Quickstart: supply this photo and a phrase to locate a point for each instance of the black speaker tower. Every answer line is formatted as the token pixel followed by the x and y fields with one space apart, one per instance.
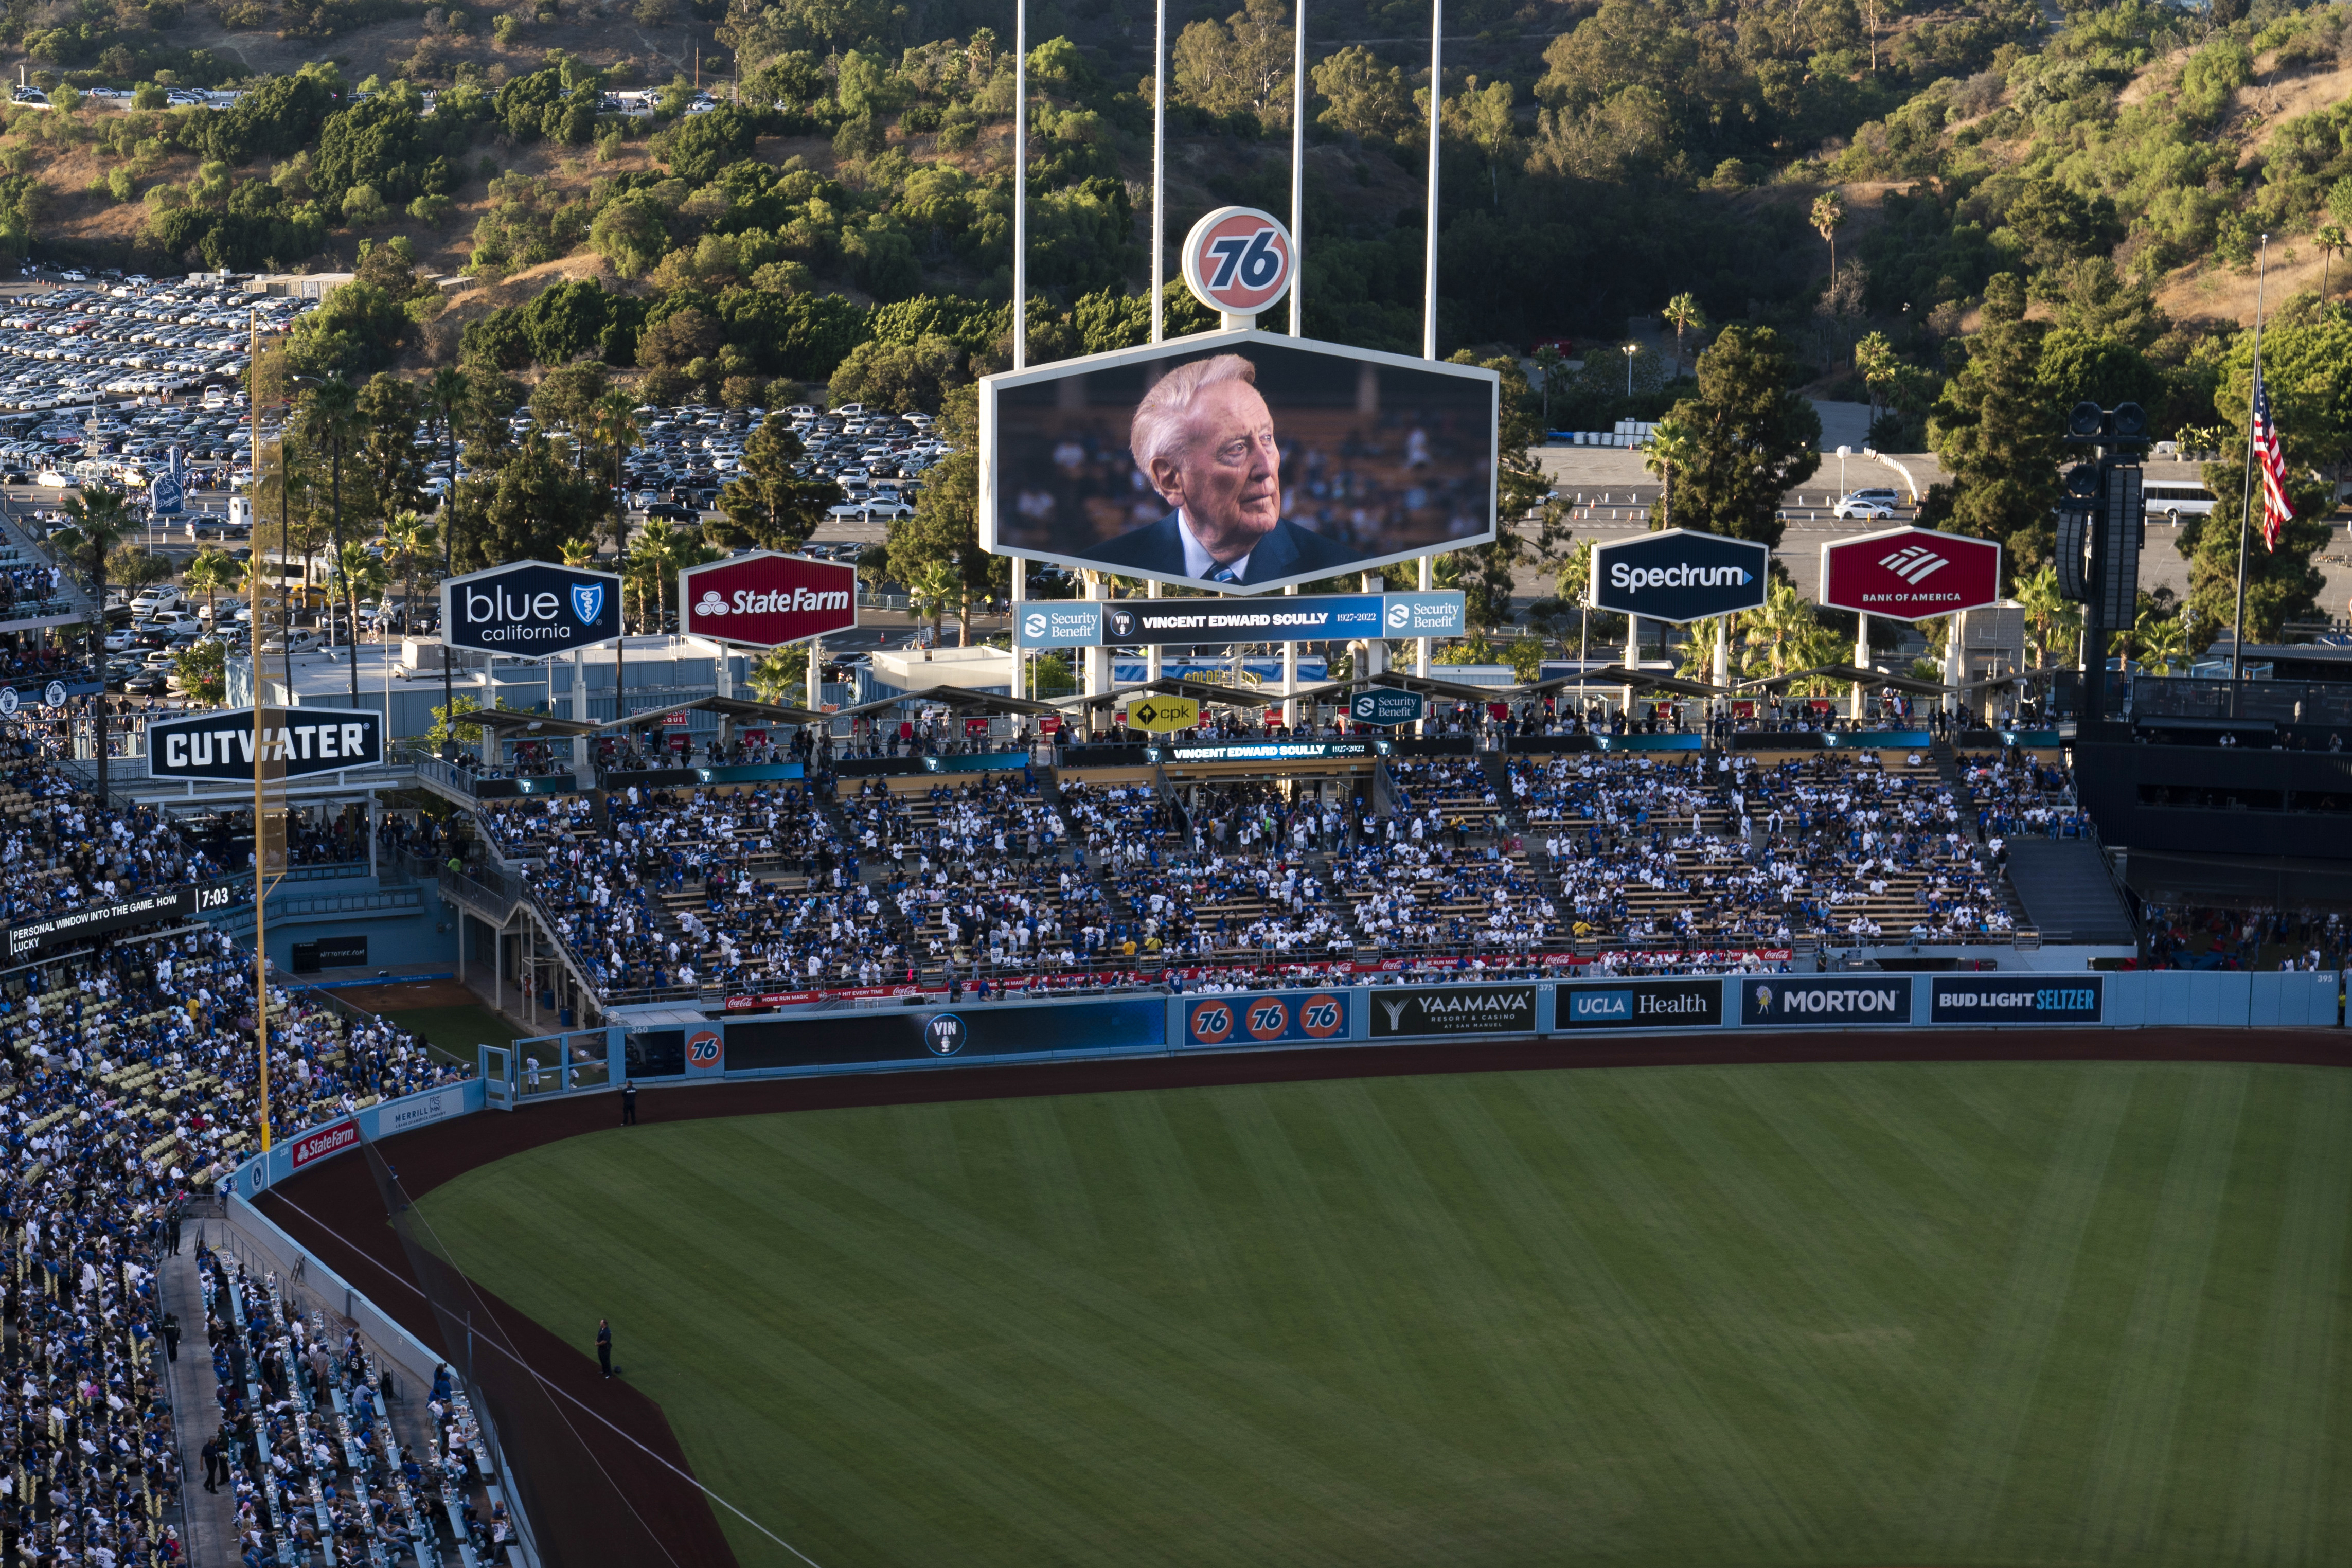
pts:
pixel 2101 524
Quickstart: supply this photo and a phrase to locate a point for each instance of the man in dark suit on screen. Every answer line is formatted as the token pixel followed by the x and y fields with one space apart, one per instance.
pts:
pixel 1204 438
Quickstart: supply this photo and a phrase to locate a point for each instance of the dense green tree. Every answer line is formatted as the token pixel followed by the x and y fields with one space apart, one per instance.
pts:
pixel 382 143
pixel 1752 438
pixel 525 508
pixel 1996 433
pixel 944 533
pixel 770 505
pixel 1531 531
pixel 699 146
pixel 901 377
pixel 391 464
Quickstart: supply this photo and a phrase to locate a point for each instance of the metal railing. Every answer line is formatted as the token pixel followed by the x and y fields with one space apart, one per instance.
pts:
pixel 2157 697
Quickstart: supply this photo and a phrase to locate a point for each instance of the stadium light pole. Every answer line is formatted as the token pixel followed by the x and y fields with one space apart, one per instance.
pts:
pixel 2246 503
pixel 1436 95
pixel 1160 174
pixel 1298 179
pixel 1021 185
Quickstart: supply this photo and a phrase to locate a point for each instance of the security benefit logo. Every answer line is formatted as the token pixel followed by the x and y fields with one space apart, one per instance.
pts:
pixel 1824 1001
pixel 1641 1005
pixel 2023 999
pixel 1453 1010
pixel 1261 1018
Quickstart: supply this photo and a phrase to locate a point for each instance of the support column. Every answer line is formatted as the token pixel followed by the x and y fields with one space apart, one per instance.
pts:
pixel 1632 660
pixel 1098 657
pixel 1860 661
pixel 1020 596
pixel 1290 675
pixel 1376 648
pixel 1956 660
pixel 1152 650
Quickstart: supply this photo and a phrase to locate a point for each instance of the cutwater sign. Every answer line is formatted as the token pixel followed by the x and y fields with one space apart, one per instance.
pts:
pixel 1678 576
pixel 1818 1001
pixel 1385 705
pixel 302 741
pixel 530 610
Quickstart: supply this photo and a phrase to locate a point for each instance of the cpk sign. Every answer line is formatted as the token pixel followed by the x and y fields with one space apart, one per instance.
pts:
pixel 1910 573
pixel 331 1139
pixel 766 599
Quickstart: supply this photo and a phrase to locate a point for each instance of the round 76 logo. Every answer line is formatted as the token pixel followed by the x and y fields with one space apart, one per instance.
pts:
pixel 704 1048
pixel 1263 1018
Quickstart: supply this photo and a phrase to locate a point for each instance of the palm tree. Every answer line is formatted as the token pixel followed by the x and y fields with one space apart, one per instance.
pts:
pixel 1785 634
pixel 406 538
pixel 936 589
pixel 330 416
pixel 612 422
pixel 208 573
pixel 1673 444
pixel 355 570
pixel 2332 242
pixel 1683 314
pixel 661 551
pixel 2163 640
pixel 578 553
pixel 446 393
pixel 1548 359
pixel 1828 217
pixel 98 521
pixel 2054 619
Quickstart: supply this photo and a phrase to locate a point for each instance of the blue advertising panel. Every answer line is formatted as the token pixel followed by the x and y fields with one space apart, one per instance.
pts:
pixel 1694 1003
pixel 1264 1017
pixel 1060 623
pixel 975 1029
pixel 1679 575
pixel 1303 617
pixel 1811 1001
pixel 2016 999
pixel 1385 705
pixel 1434 614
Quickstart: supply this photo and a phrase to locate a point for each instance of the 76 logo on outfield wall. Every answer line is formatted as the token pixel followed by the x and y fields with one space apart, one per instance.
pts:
pixel 1210 1023
pixel 704 1048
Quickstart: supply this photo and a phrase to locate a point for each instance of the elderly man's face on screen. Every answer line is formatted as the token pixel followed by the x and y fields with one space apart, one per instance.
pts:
pixel 1227 475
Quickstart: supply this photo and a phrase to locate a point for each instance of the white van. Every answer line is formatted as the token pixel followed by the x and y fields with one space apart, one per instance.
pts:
pixel 2172 499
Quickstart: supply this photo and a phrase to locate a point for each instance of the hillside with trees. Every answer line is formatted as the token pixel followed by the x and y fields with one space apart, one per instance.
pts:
pixel 1966 214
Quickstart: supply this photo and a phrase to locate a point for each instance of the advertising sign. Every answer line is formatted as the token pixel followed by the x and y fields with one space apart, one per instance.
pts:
pixel 168 493
pixel 1453 1010
pixel 2035 999
pixel 1163 713
pixel 1267 751
pixel 529 610
pixel 305 740
pixel 1301 617
pixel 1818 1001
pixel 1238 261
pixel 913 1035
pixel 706 1051
pixel 1910 573
pixel 31 936
pixel 1385 705
pixel 1060 623
pixel 321 1141
pixel 1640 1005
pixel 767 599
pixel 1243 461
pixel 1267 1017
pixel 1680 576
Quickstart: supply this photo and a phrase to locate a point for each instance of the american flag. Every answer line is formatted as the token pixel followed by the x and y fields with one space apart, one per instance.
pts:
pixel 2277 510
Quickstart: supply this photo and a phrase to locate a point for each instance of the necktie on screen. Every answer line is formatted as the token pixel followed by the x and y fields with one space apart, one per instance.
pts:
pixel 1216 573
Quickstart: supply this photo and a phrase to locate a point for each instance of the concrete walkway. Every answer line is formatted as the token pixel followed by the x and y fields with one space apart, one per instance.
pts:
pixel 209 1530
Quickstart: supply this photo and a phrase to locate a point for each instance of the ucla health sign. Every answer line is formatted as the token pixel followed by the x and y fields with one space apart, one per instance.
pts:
pixel 1302 618
pixel 530 609
pixel 1640 1005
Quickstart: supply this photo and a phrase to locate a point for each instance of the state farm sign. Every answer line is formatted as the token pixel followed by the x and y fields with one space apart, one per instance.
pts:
pixel 1910 573
pixel 331 1139
pixel 766 599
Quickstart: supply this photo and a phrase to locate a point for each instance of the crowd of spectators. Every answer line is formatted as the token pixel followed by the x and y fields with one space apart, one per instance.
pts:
pixel 128 1082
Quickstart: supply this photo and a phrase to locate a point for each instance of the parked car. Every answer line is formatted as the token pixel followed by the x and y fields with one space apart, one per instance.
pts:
pixel 1866 504
pixel 298 640
pixel 153 682
pixel 153 601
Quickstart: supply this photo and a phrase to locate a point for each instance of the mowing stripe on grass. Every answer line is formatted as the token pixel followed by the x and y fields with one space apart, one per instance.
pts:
pixel 2120 1518
pixel 1964 1493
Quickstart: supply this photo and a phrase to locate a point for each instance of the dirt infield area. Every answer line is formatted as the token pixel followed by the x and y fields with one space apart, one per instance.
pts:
pixel 602 1463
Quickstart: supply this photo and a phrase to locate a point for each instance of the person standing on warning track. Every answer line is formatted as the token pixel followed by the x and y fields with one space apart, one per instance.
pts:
pixel 604 1344
pixel 1204 438
pixel 628 1102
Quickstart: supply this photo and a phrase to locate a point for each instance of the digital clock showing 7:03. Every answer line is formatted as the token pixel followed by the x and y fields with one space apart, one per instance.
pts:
pixel 214 898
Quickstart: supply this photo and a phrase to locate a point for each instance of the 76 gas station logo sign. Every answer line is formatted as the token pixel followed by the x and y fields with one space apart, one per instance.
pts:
pixel 1263 1018
pixel 1238 261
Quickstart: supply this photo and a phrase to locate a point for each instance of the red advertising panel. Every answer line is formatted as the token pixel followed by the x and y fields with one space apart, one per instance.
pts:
pixel 1910 573
pixel 332 1138
pixel 765 599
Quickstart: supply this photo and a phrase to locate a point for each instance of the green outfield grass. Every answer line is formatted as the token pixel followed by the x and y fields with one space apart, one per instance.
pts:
pixel 1879 1315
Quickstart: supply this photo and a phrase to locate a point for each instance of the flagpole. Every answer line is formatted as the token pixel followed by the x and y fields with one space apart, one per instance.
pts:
pixel 2245 506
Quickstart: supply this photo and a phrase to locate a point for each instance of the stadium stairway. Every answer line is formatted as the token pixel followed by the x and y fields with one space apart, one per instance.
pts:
pixel 2067 892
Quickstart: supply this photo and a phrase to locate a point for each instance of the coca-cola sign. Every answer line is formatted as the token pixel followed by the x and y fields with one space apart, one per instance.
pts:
pixel 766 599
pixel 1910 573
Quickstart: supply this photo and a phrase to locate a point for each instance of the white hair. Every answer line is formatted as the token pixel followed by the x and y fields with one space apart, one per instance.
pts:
pixel 1162 419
